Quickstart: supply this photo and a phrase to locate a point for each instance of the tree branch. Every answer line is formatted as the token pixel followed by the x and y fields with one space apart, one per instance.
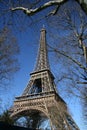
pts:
pixel 79 82
pixel 33 11
pixel 48 4
pixel 69 57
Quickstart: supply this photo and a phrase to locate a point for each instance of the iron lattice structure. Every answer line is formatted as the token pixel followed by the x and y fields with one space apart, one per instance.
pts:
pixel 41 95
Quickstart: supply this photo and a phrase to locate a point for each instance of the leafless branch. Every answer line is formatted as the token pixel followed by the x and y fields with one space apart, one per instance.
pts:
pixel 79 82
pixel 69 57
pixel 33 11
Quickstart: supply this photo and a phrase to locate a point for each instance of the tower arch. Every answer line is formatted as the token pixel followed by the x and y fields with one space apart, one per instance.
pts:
pixel 24 111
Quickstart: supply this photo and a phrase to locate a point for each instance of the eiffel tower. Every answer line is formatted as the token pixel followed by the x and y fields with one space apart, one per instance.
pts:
pixel 40 95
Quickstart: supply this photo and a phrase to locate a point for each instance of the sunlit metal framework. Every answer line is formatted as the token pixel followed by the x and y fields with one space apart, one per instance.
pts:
pixel 41 95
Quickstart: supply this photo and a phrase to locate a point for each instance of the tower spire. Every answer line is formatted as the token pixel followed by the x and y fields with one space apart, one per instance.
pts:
pixel 42 57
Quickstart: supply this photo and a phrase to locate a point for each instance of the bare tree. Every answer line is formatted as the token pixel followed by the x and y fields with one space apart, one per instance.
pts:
pixel 8 52
pixel 71 49
pixel 71 44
